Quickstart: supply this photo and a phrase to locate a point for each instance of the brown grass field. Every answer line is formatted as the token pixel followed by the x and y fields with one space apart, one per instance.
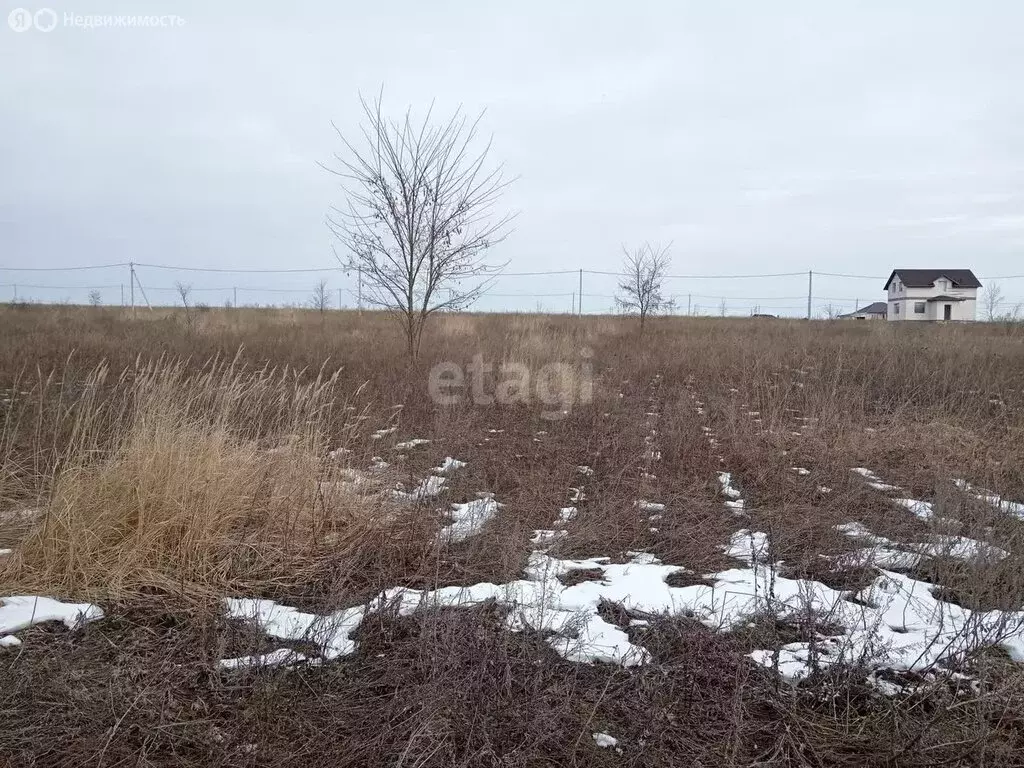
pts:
pixel 158 465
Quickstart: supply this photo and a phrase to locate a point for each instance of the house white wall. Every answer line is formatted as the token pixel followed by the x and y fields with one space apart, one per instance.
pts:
pixel 903 302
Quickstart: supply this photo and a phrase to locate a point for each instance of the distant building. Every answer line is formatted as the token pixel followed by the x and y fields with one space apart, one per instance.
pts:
pixel 932 294
pixel 876 311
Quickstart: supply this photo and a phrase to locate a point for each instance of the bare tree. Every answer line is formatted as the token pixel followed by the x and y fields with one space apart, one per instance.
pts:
pixel 321 298
pixel 830 311
pixel 419 218
pixel 95 298
pixel 993 298
pixel 185 292
pixel 723 307
pixel 640 291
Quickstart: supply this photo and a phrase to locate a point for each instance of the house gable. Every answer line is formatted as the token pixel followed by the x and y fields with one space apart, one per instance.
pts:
pixel 926 278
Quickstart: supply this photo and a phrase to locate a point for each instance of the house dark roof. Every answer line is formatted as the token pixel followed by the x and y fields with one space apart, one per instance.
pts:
pixel 878 308
pixel 925 278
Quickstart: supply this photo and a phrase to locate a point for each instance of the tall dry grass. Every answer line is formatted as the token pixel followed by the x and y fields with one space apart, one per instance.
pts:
pixel 161 477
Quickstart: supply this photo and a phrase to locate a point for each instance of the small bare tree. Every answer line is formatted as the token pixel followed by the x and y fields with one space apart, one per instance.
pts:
pixel 419 218
pixel 185 292
pixel 993 298
pixel 640 291
pixel 321 298
pixel 95 298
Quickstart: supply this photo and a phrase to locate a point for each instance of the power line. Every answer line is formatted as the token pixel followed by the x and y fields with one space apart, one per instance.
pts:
pixel 237 271
pixel 61 287
pixel 696 277
pixel 538 273
pixel 61 269
pixel 851 277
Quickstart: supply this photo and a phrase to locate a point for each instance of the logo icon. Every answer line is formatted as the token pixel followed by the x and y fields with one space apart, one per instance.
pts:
pixel 45 19
pixel 20 20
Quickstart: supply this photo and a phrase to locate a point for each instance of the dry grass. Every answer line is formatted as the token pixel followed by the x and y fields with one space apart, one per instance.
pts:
pixel 204 481
pixel 165 481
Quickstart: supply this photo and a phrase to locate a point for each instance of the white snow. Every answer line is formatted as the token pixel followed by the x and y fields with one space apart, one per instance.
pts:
pixel 874 480
pixel 566 514
pixel 604 741
pixel 894 623
pixel 4 552
pixel 545 536
pixel 650 506
pixel 469 518
pixel 279 658
pixel 9 641
pixel 583 469
pixel 428 488
pixel 885 553
pixel 922 509
pixel 748 546
pixel 801 470
pixel 1015 508
pixel 19 612
pixel 410 444
pixel 382 433
pixel 726 486
pixel 448 465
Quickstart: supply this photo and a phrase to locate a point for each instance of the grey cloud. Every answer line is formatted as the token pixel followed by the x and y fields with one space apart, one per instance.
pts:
pixel 756 137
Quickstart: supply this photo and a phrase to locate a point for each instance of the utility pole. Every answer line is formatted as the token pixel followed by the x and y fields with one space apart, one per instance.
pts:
pixel 810 290
pixel 144 296
pixel 234 297
pixel 122 294
pixel 360 294
pixel 574 302
pixel 339 298
pixel 131 269
pixel 579 306
pixel 689 298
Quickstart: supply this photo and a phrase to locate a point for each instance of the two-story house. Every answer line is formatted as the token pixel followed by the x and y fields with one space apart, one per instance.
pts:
pixel 932 294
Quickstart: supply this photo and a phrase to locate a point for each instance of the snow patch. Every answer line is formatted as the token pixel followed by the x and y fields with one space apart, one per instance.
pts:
pixel 1015 508
pixel 408 445
pixel 727 489
pixel 448 465
pixel 19 612
pixel 604 741
pixel 428 488
pixel 468 519
pixel 567 514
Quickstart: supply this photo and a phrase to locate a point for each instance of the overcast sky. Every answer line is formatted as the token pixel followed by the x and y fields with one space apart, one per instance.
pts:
pixel 847 137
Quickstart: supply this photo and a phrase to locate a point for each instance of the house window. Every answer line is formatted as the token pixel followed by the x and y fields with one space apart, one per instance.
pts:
pixel 919 307
pixel 895 309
